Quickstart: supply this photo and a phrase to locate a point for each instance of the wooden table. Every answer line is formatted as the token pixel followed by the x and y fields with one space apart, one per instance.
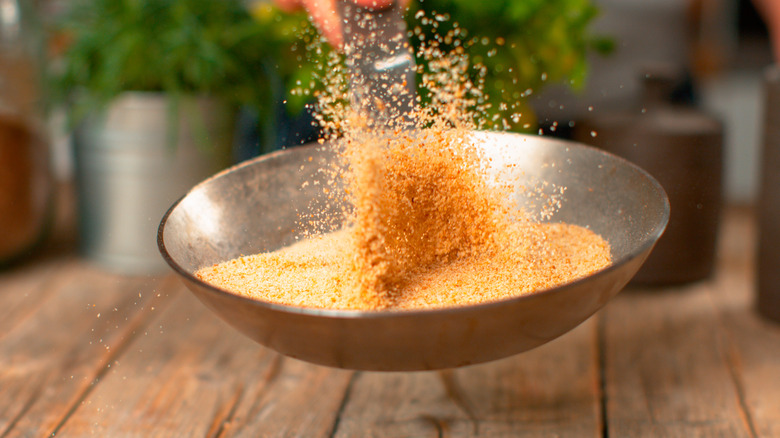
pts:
pixel 87 353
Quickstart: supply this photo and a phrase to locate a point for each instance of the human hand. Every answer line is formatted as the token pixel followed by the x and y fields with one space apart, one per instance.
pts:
pixel 324 15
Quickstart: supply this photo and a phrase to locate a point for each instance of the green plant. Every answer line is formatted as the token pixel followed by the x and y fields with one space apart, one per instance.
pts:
pixel 218 47
pixel 211 47
pixel 524 45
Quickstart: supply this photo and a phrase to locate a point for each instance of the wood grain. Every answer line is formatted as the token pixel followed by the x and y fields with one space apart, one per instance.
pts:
pixel 550 391
pixel 87 353
pixel 667 367
pixel 50 360
pixel 666 371
pixel 752 343
pixel 190 374
pixel 26 289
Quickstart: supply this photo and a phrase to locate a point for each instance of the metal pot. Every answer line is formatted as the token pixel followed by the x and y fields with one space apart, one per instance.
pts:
pixel 255 207
pixel 133 160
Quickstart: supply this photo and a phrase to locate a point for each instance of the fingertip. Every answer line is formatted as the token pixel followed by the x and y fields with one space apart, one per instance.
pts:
pixel 325 17
pixel 377 4
pixel 335 38
pixel 289 5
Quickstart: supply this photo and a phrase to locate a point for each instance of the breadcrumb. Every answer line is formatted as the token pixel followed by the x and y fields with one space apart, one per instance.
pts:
pixel 427 228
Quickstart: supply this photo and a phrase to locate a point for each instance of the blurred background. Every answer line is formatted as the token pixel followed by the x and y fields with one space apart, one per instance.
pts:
pixel 131 102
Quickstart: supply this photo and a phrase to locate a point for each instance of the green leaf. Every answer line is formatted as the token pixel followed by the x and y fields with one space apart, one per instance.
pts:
pixel 174 46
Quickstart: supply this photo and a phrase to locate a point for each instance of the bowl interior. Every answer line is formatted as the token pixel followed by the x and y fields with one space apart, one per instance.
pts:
pixel 254 207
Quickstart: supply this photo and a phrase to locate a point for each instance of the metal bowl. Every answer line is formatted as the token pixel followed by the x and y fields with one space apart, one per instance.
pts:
pixel 254 206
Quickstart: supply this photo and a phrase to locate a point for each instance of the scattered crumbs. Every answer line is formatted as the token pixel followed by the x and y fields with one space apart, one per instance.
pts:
pixel 427 228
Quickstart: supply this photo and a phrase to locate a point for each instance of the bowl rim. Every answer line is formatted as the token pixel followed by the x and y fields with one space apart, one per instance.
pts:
pixel 649 241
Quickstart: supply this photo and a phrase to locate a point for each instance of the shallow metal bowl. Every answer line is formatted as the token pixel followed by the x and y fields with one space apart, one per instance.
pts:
pixel 254 206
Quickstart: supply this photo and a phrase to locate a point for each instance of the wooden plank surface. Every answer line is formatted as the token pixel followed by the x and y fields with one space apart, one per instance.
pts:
pixel 672 366
pixel 550 391
pixel 87 353
pixel 752 343
pixel 50 360
pixel 28 284
pixel 26 289
pixel 189 374
pixel 666 372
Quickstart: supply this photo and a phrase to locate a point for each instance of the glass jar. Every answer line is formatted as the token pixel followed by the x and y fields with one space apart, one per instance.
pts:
pixel 25 176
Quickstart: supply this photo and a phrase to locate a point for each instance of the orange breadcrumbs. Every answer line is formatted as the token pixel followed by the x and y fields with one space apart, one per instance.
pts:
pixel 319 272
pixel 427 227
pixel 426 231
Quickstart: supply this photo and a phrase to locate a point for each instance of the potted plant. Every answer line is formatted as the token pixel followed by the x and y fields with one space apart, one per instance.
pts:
pixel 152 89
pixel 154 85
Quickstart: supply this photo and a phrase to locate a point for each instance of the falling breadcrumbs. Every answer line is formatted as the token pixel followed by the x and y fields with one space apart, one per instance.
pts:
pixel 426 231
pixel 427 227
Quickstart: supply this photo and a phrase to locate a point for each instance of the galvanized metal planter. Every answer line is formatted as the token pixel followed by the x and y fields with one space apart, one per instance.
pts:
pixel 132 161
